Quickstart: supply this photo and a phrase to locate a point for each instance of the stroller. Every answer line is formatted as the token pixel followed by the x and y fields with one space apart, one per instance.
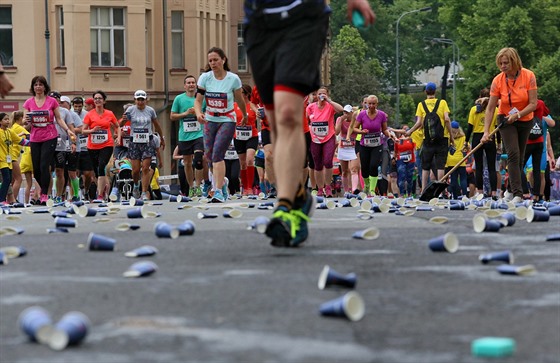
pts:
pixel 122 184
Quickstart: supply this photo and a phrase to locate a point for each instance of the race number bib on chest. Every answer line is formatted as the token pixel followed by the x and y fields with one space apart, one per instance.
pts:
pixel 191 124
pixel 140 136
pixel 83 142
pixel 216 100
pixel 347 143
pixel 39 118
pixel 405 156
pixel 372 140
pixel 243 133
pixel 320 128
pixel 99 137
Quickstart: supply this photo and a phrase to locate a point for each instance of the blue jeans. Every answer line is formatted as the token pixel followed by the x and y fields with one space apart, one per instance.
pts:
pixel 405 172
pixel 458 185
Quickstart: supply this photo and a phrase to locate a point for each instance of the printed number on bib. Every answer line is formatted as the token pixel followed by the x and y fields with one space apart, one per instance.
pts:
pixel 40 118
pixel 320 128
pixel 83 143
pixel 191 124
pixel 216 101
pixel 140 136
pixel 372 140
pixel 405 156
pixel 347 143
pixel 99 137
pixel 231 153
pixel 243 133
pixel 126 142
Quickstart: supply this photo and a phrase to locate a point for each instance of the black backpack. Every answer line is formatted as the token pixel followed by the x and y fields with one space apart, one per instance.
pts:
pixel 433 129
pixel 536 130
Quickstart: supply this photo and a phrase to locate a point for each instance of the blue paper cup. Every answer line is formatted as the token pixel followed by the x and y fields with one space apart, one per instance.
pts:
pixel 202 215
pixel 483 224
pixel 13 251
pixel 3 258
pixel 502 256
pixel 59 213
pixel 85 211
pixel 350 306
pixel 143 251
pixel 179 198
pixel 444 243
pixel 137 213
pixel 57 230
pixel 553 237
pixel 554 210
pixel 233 213
pixel 329 277
pixel 136 202
pixel 165 230
pixel 525 270
pixel 36 323
pixel 368 233
pixel 98 242
pixel 326 205
pixel 457 206
pixel 534 215
pixel 65 222
pixel 186 228
pixel 259 224
pixel 141 269
pixel 71 329
pixel 123 227
pixel 507 219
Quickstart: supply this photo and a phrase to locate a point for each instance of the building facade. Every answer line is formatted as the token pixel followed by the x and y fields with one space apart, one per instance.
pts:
pixel 118 46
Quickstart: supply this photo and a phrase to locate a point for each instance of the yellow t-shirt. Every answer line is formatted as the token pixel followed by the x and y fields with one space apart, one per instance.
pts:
pixel 452 160
pixel 16 149
pixel 418 137
pixel 477 120
pixel 8 138
pixel 442 109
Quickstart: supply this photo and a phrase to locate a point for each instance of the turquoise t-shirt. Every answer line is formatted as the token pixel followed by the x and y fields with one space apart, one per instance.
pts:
pixel 189 127
pixel 219 96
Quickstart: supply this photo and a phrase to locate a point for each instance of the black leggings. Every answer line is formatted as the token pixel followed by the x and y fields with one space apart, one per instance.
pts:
pixel 490 150
pixel 534 150
pixel 100 158
pixel 42 155
pixel 370 159
pixel 232 173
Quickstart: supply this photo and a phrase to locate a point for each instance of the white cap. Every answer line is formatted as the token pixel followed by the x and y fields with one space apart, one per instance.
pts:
pixel 65 99
pixel 348 108
pixel 140 94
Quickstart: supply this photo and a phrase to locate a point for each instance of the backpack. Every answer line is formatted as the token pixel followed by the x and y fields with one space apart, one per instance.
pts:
pixel 433 129
pixel 536 130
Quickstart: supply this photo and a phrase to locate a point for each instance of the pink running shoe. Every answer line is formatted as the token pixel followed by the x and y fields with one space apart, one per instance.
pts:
pixel 328 191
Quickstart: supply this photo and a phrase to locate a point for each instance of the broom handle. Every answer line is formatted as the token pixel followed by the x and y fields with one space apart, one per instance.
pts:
pixel 468 155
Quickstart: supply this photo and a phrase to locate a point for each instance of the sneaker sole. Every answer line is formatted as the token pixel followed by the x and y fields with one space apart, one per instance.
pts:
pixel 276 230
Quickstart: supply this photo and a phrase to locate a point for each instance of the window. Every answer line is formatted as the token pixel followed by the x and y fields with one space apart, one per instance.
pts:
pixel 6 41
pixel 241 51
pixel 148 38
pixel 107 34
pixel 178 54
pixel 60 38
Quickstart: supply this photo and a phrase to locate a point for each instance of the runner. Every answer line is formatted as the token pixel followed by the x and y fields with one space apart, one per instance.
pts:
pixel 218 86
pixel 346 151
pixel 143 121
pixel 246 143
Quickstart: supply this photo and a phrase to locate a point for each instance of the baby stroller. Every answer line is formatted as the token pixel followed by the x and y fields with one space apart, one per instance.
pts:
pixel 121 187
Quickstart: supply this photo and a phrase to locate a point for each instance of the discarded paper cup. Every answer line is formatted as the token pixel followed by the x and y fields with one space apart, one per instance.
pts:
pixel 534 215
pixel 370 233
pixel 36 323
pixel 3 258
pixel 98 242
pixel 186 228
pixel 136 202
pixel 503 256
pixel 326 205
pixel 71 329
pixel 516 270
pixel 350 306
pixel 141 269
pixel 126 227
pixel 65 222
pixel 483 224
pixel 259 224
pixel 444 243
pixel 439 220
pixel 457 206
pixel 179 198
pixel 521 212
pixel 57 230
pixel 85 211
pixel 59 213
pixel 365 205
pixel 553 237
pixel 233 213
pixel 330 277
pixel 165 230
pixel 137 213
pixel 202 215
pixel 13 251
pixel 508 218
pixel 143 251
pixel 554 210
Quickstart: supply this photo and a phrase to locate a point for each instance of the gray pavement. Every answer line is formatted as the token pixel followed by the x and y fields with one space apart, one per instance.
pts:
pixel 225 295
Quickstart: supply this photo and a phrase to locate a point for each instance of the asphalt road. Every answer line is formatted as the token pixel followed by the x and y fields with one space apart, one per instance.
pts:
pixel 225 295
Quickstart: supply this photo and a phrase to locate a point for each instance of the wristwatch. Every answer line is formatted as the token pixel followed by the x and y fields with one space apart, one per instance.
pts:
pixel 518 115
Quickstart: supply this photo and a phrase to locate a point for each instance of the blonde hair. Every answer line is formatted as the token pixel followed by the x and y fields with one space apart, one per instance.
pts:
pixel 513 57
pixel 458 132
pixel 17 115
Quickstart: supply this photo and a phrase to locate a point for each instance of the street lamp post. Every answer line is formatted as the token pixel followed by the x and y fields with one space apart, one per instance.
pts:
pixel 455 61
pixel 428 8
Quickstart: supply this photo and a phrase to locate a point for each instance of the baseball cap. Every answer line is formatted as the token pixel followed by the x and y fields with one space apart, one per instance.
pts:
pixel 140 94
pixel 65 99
pixel 454 125
pixel 54 94
pixel 90 101
pixel 431 86
pixel 77 100
pixel 348 108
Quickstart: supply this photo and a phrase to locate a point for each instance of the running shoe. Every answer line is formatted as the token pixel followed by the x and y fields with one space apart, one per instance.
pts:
pixel 75 199
pixel 272 193
pixel 218 197
pixel 43 200
pixel 136 193
pixel 303 209
pixel 57 200
pixel 144 196
pixel 282 227
pixel 206 188
pixel 328 191
pixel 225 190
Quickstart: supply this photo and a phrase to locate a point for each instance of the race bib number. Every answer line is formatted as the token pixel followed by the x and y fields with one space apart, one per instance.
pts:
pixel 191 124
pixel 231 153
pixel 347 144
pixel 405 156
pixel 243 133
pixel 140 136
pixel 372 140
pixel 39 118
pixel 83 142
pixel 99 137
pixel 217 101
pixel 320 128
